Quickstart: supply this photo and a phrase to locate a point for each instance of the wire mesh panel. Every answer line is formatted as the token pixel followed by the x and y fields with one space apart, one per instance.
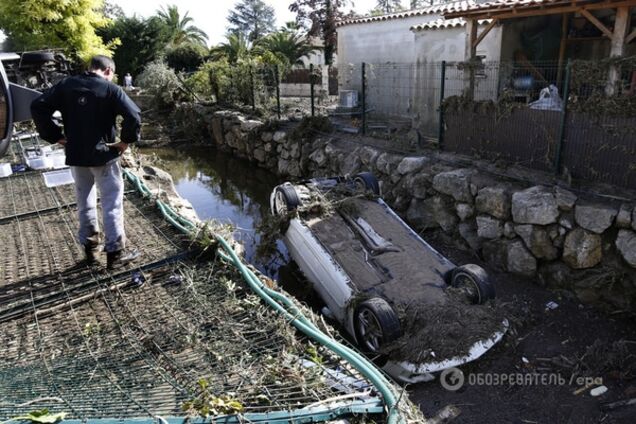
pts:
pixel 266 88
pixel 390 90
pixel 162 336
pixel 300 87
pixel 489 112
pixel 600 129
pixel 428 84
pixel 22 193
pixel 145 351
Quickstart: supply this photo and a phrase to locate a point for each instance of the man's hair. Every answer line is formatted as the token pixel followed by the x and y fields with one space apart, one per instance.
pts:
pixel 102 63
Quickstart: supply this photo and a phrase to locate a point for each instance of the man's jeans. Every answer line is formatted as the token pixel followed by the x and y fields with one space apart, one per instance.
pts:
pixel 111 189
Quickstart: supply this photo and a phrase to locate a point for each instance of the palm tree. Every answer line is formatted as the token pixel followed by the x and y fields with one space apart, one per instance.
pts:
pixel 236 47
pixel 287 45
pixel 180 29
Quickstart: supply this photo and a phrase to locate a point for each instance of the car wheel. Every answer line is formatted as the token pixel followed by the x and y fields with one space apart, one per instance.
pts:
pixel 37 57
pixel 474 281
pixel 376 324
pixel 367 181
pixel 285 199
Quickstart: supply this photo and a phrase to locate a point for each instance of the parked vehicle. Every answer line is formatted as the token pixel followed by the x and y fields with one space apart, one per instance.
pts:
pixel 373 271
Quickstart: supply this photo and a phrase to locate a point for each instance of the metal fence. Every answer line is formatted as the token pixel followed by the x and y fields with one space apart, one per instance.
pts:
pixel 274 90
pixel 578 118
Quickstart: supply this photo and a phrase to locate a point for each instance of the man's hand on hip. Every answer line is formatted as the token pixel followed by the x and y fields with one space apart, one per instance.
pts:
pixel 120 147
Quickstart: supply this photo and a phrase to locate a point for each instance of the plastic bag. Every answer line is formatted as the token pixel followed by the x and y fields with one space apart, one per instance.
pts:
pixel 548 99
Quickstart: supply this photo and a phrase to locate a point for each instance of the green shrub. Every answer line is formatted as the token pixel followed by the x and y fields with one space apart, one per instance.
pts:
pixel 160 80
pixel 186 57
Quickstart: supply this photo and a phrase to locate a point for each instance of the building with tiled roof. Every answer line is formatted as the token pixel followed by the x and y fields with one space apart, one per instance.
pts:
pixel 392 38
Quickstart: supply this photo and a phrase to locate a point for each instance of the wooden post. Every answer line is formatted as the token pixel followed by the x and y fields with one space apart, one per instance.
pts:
pixel 621 26
pixel 471 56
pixel 562 48
pixel 311 88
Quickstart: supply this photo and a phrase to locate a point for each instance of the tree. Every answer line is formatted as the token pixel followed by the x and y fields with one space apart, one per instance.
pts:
pixel 236 47
pixel 142 41
pixel 416 4
pixel 320 17
pixel 388 6
pixel 180 29
pixel 186 57
pixel 70 25
pixel 112 10
pixel 288 46
pixel 252 18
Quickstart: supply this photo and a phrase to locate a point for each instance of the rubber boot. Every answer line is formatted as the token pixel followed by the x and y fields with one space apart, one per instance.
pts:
pixel 89 253
pixel 120 258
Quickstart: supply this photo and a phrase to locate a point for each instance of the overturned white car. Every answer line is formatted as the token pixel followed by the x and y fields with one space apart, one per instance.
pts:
pixel 399 298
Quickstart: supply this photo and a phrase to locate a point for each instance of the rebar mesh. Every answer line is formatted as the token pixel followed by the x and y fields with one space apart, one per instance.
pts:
pixel 130 352
pixel 137 342
pixel 26 192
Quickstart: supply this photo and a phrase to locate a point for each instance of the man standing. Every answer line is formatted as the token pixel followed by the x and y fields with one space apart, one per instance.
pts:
pixel 89 104
pixel 128 81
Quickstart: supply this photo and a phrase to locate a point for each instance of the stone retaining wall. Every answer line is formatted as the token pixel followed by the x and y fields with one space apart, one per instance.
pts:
pixel 546 233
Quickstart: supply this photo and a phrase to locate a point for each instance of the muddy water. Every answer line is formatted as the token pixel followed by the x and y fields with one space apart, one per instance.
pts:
pixel 225 189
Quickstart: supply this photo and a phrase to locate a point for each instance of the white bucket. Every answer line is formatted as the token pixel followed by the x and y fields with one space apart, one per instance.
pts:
pixel 5 169
pixel 57 160
pixel 39 162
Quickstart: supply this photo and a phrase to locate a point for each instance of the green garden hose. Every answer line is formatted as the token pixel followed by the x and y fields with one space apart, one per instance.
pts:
pixel 284 306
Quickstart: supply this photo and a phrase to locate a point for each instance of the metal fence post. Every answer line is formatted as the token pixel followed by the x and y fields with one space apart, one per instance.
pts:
pixel 277 76
pixel 564 113
pixel 364 99
pixel 440 130
pixel 252 88
pixel 311 87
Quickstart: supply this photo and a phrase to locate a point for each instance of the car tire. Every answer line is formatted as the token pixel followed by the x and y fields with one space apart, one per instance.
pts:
pixel 474 280
pixel 37 57
pixel 285 199
pixel 367 181
pixel 376 324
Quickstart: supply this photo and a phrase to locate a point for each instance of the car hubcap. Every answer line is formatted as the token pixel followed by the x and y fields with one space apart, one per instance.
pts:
pixel 370 330
pixel 360 185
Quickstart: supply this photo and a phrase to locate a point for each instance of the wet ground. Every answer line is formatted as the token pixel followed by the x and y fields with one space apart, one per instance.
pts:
pixel 550 355
pixel 557 351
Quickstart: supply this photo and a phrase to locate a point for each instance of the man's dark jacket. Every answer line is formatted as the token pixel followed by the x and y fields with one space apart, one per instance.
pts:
pixel 89 105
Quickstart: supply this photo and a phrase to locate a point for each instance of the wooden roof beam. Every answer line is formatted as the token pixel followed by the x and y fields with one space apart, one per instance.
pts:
pixel 598 24
pixel 485 32
pixel 534 11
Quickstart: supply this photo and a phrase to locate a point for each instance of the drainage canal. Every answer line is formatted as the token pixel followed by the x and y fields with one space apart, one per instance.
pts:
pixel 231 190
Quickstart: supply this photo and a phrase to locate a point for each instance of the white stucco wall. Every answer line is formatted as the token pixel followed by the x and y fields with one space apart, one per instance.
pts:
pixel 378 41
pixel 374 42
pixel 432 46
pixel 403 67
pixel 435 45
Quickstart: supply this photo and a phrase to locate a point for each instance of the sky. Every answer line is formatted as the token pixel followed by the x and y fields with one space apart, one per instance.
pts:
pixel 211 15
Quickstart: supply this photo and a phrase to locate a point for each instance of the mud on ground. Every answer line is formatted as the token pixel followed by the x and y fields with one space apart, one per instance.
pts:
pixel 441 331
pixel 573 341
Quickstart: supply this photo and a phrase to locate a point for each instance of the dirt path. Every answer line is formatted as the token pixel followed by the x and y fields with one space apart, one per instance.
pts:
pixel 570 338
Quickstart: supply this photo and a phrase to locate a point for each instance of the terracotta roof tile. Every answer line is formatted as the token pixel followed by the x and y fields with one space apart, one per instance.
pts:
pixel 440 8
pixel 442 23
pixel 504 5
